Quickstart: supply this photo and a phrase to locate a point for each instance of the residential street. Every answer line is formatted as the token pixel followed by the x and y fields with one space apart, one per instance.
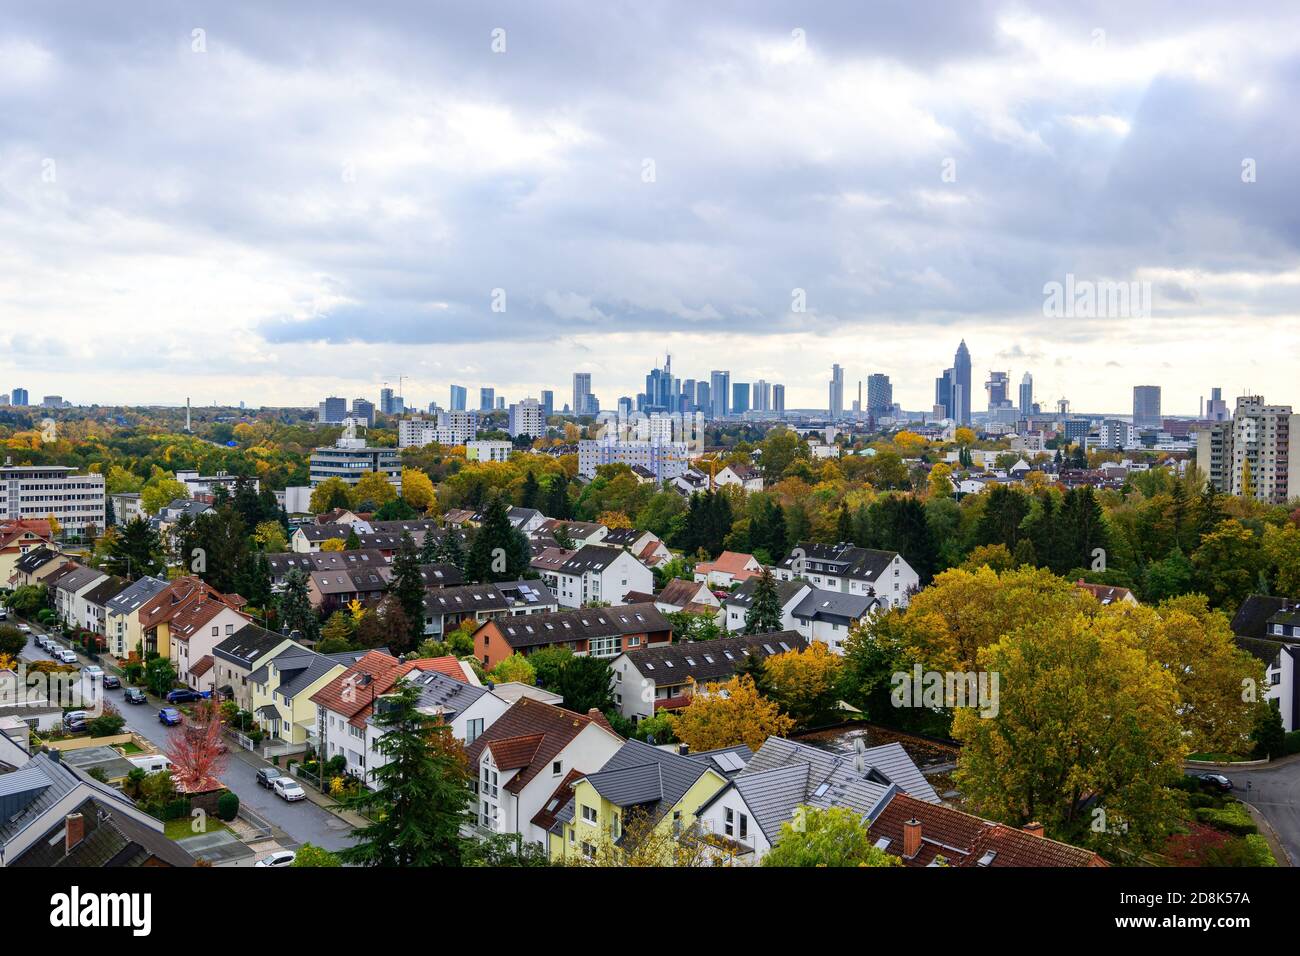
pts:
pixel 302 822
pixel 1275 791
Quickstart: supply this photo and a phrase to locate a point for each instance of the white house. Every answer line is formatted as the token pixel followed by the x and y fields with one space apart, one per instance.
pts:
pixel 845 567
pixel 828 616
pixel 598 574
pixel 194 632
pixel 751 479
pixel 524 757
pixel 736 605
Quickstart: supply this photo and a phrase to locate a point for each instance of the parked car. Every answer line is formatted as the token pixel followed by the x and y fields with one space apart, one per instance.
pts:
pixel 4 614
pixel 1216 780
pixel 112 682
pixel 169 717
pixel 278 858
pixel 74 721
pixel 25 628
pixel 183 695
pixel 288 789
pixel 134 695
pixel 267 776
pixel 42 642
pixel 66 656
pixel 92 670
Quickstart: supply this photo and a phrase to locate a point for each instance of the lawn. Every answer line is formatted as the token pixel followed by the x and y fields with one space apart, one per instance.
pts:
pixel 130 748
pixel 182 828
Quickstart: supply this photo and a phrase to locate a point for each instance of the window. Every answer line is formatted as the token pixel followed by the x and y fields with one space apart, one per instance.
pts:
pixel 729 822
pixel 557 768
pixel 589 814
pixel 473 730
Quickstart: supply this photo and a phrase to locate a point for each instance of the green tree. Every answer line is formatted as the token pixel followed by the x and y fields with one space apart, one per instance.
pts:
pixel 548 665
pixel 136 551
pixel 421 792
pixel 499 552
pixel 309 854
pixel 407 586
pixel 764 613
pixel 584 683
pixel 834 837
pixel 159 676
pixel 296 611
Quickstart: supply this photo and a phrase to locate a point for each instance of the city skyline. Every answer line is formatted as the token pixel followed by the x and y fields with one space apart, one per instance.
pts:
pixel 444 216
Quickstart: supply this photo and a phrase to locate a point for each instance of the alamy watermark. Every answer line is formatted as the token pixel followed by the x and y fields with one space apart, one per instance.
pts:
pixel 1096 299
pixel 940 689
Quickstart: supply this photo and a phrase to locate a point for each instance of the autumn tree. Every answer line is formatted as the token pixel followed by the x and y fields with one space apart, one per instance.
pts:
pixel 371 491
pixel 806 683
pixel 1085 737
pixel 1227 564
pixel 330 494
pixel 197 752
pixel 724 715
pixel 514 669
pixel 647 840
pixel 417 490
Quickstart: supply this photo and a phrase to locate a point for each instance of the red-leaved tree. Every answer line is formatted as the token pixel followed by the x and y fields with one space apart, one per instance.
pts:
pixel 198 753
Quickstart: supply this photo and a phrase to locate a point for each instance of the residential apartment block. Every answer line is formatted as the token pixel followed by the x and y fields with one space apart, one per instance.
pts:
pixel 37 491
pixel 1255 448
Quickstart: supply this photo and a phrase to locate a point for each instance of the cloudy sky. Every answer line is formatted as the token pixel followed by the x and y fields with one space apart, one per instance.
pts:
pixel 285 201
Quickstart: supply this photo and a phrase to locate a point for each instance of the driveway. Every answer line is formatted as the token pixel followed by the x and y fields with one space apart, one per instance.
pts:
pixel 302 822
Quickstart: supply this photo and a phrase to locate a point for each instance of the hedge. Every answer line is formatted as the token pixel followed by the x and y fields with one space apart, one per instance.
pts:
pixel 1233 818
pixel 1293 742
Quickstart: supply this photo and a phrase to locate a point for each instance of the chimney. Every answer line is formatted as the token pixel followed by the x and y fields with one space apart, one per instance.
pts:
pixel 1034 829
pixel 683 749
pixel 911 838
pixel 76 831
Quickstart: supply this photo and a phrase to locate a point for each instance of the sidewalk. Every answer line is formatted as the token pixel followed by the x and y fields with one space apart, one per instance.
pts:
pixel 1270 835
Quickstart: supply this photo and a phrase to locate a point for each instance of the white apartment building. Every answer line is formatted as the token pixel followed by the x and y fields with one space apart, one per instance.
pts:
pixel 527 418
pixel 664 460
pixel 208 484
pixel 36 491
pixel 1258 435
pixel 448 428
pixel 488 450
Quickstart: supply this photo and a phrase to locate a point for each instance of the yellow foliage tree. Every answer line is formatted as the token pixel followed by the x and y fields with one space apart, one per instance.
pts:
pixel 417 490
pixel 723 715
pixel 941 481
pixel 804 682
pixel 333 544
pixel 372 488
pixel 964 436
pixel 614 519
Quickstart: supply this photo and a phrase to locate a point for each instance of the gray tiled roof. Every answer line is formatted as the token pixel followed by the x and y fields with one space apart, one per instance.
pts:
pixel 743 596
pixel 786 774
pixel 844 560
pixel 838 606
pixel 133 597
pixel 708 661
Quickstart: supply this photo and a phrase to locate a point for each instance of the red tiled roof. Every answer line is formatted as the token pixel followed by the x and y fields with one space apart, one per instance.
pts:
pixel 201 666
pixel 515 752
pixel 529 718
pixel 545 817
pixel 729 562
pixel 1104 592
pixel 673 703
pixel 963 840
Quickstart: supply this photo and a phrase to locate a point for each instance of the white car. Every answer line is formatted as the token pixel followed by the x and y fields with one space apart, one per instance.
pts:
pixel 92 671
pixel 25 628
pixel 66 656
pixel 288 790
pixel 278 858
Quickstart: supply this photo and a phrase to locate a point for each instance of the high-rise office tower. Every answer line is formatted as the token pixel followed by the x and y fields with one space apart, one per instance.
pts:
pixel 880 395
pixel 487 398
pixel 961 394
pixel 1216 410
pixel 456 403
pixel 944 390
pixel 702 400
pixel 581 392
pixel 836 391
pixel 363 410
pixel 739 398
pixel 778 399
pixel 20 397
pixel 386 401
pixel 720 392
pixel 548 403
pixel 1146 406
pixel 762 396
pixel 333 410
pixel 998 385
pixel 686 401
pixel 1027 395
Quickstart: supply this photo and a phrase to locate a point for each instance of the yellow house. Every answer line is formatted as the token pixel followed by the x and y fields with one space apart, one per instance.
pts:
pixel 282 690
pixel 640 785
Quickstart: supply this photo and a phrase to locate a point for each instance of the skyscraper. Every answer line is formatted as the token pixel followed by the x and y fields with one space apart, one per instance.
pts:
pixel 1146 406
pixel 457 400
pixel 702 400
pixel 961 394
pixel 581 392
pixel 487 399
pixel 1027 395
pixel 1250 454
pixel 363 410
pixel 739 398
pixel 762 396
pixel 944 389
pixel 548 403
pixel 778 399
pixel 331 411
pixel 998 385
pixel 1216 409
pixel 720 391
pixel 880 395
pixel 20 396
pixel 836 391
